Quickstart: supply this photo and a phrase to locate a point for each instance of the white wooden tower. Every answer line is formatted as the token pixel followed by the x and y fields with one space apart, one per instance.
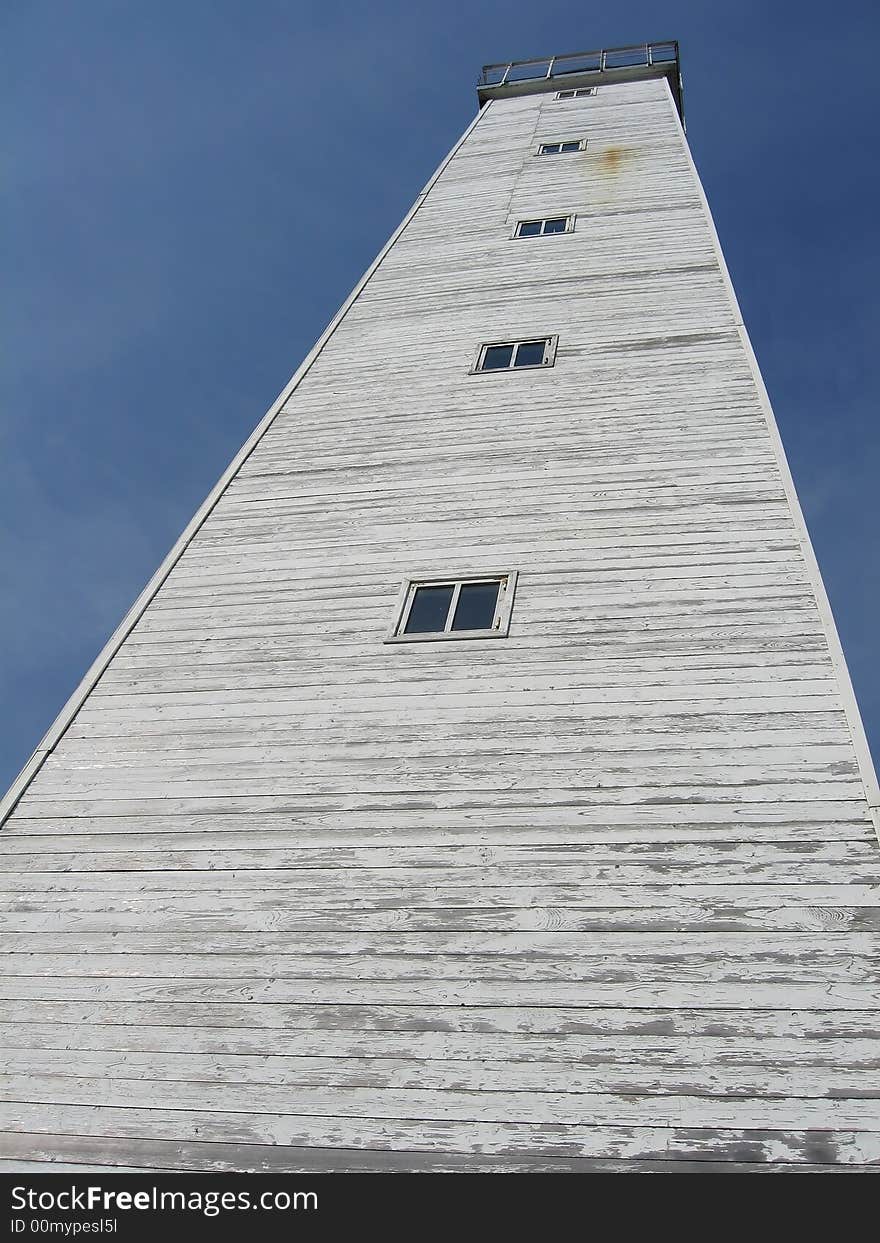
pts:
pixel 478 784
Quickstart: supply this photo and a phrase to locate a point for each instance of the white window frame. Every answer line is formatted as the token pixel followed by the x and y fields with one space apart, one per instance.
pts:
pixel 553 142
pixel 550 344
pixel 569 227
pixel 500 622
pixel 576 92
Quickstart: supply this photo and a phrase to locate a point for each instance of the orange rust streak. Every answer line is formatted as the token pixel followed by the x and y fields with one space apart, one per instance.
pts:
pixel 612 159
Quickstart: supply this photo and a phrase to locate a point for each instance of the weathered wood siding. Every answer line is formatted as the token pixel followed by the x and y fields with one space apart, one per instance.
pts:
pixel 603 894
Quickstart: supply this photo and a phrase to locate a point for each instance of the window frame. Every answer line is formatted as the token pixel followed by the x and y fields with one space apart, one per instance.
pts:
pixel 575 92
pixel 558 142
pixel 549 359
pixel 500 622
pixel 569 219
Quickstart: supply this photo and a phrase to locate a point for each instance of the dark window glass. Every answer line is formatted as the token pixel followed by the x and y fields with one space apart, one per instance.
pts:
pixel 570 146
pixel 497 356
pixel 530 228
pixel 550 148
pixel 476 606
pixel 555 226
pixel 530 354
pixel 566 94
pixel 429 610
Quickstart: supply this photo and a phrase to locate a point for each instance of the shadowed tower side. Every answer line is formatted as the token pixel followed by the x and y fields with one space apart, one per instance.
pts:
pixel 478 784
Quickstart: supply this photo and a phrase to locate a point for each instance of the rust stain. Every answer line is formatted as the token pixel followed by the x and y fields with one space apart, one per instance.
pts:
pixel 613 159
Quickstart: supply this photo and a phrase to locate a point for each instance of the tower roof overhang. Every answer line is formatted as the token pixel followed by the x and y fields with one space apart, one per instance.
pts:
pixel 579 69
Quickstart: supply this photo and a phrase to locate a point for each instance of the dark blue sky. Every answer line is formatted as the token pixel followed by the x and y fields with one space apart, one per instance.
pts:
pixel 193 187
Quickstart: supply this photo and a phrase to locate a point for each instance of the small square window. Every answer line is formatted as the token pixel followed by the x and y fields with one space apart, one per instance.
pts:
pixel 562 148
pixel 512 355
pixel 497 357
pixel 540 228
pixel 530 353
pixel 471 607
pixel 430 609
pixel 476 606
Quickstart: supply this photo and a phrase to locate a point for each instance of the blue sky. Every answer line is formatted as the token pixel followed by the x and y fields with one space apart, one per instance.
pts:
pixel 180 227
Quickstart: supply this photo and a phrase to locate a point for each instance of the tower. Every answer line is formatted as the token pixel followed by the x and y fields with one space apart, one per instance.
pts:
pixel 478 784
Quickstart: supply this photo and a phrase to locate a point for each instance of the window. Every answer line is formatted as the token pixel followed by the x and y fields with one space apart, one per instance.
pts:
pixel 473 607
pixel 562 148
pixel 513 355
pixel 578 94
pixel 540 228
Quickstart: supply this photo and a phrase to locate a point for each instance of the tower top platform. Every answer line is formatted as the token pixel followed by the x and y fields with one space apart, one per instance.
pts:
pixel 580 69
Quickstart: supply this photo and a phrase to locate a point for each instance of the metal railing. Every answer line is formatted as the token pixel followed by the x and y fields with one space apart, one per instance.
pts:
pixel 601 61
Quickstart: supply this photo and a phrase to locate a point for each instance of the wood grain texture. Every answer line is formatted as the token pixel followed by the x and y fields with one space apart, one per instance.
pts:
pixel 602 895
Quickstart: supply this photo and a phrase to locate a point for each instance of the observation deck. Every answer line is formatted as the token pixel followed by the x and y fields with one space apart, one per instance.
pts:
pixel 584 69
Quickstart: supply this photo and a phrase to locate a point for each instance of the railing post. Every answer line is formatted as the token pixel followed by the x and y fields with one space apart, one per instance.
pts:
pixel 549 73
